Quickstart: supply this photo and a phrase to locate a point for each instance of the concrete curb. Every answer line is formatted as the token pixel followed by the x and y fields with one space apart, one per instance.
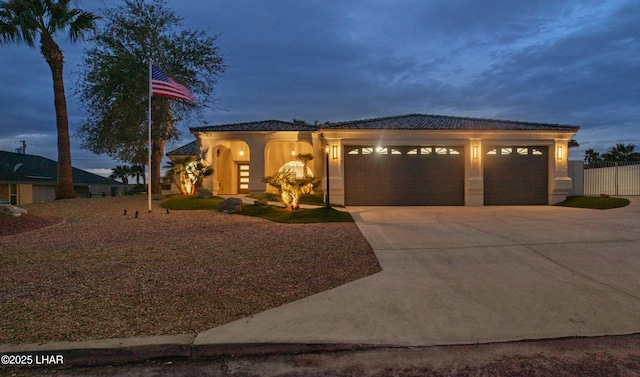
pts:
pixel 107 351
pixel 129 350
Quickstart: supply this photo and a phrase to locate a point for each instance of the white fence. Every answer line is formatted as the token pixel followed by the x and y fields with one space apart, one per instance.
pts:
pixel 612 178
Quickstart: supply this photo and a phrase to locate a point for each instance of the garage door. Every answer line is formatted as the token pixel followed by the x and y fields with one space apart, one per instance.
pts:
pixel 516 175
pixel 401 175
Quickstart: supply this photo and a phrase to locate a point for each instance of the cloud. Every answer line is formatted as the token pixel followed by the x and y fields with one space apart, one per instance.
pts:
pixel 572 62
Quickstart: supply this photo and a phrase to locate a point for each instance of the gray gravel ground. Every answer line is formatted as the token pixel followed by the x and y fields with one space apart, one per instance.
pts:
pixel 103 274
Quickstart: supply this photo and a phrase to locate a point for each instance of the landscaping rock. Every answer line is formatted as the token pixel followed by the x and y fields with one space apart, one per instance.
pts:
pixel 12 210
pixel 204 193
pixel 261 202
pixel 231 205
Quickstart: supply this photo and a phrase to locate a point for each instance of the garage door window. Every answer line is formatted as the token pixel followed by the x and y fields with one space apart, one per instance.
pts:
pixel 405 150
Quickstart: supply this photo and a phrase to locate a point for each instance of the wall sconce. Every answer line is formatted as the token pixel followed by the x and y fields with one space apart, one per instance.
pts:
pixel 334 155
pixel 241 152
pixel 475 152
pixel 559 153
pixel 326 149
pixel 293 152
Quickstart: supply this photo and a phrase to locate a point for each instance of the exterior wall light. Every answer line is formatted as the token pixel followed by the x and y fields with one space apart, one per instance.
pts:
pixel 293 152
pixel 335 152
pixel 475 152
pixel 560 153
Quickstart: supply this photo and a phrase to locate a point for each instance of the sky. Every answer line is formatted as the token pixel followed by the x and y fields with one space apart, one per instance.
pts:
pixel 573 62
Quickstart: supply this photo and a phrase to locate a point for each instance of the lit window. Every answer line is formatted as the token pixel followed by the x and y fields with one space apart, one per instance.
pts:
pixel 297 168
pixel 453 151
pixel 536 151
pixel 441 150
pixel 506 151
pixel 425 150
pixel 493 151
pixel 353 151
pixel 523 151
pixel 395 151
pixel 382 150
pixel 367 150
pixel 413 151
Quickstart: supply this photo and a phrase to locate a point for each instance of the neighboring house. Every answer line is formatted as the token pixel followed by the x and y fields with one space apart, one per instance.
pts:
pixel 412 159
pixel 26 179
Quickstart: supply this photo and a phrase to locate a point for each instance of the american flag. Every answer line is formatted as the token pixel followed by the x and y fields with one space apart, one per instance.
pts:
pixel 163 85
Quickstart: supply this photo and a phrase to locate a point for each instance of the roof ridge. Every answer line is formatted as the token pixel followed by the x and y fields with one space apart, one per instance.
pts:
pixel 455 117
pixel 406 121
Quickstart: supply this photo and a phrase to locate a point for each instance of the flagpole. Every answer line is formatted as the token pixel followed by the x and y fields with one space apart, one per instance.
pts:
pixel 149 123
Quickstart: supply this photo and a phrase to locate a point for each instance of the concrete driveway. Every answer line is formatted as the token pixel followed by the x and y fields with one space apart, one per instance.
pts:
pixel 471 274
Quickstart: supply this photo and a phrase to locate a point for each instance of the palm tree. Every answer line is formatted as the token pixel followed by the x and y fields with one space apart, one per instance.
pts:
pixel 187 172
pixel 591 156
pixel 25 20
pixel 305 158
pixel 622 152
pixel 138 171
pixel 121 172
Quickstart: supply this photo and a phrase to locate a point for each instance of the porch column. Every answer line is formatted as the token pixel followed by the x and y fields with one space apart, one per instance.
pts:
pixel 211 159
pixel 318 159
pixel 257 163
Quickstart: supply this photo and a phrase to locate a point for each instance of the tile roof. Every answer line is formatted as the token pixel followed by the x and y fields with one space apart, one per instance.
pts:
pixel 439 122
pixel 266 125
pixel 190 149
pixel 27 168
pixel 400 122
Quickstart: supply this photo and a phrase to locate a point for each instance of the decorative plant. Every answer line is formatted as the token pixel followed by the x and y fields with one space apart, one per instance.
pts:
pixel 291 187
pixel 187 173
pixel 304 158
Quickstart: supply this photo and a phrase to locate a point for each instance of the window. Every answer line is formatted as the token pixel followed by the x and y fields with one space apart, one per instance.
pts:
pixel 297 168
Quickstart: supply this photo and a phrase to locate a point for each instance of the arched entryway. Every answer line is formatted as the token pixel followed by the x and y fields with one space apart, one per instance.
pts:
pixel 279 154
pixel 231 167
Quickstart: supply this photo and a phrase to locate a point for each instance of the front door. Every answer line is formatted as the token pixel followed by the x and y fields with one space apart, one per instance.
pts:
pixel 243 178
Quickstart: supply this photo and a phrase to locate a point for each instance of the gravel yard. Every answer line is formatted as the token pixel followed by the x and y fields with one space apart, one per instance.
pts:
pixel 103 274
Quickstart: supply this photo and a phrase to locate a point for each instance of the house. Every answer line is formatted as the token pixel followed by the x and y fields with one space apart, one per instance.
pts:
pixel 413 159
pixel 26 179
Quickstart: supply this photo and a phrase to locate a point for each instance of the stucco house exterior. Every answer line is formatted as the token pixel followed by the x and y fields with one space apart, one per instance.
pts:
pixel 413 159
pixel 26 179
